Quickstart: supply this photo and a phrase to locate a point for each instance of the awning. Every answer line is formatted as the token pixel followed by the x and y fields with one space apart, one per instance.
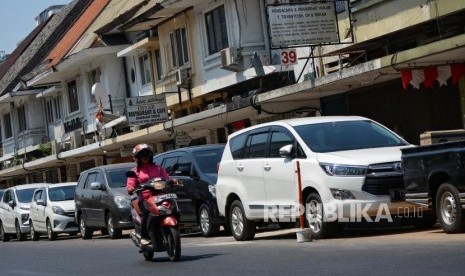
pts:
pixel 52 91
pixel 12 96
pixel 115 122
pixel 139 47
pixel 72 65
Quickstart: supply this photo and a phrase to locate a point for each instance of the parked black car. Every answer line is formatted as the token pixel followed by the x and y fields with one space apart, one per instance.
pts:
pixel 102 202
pixel 197 168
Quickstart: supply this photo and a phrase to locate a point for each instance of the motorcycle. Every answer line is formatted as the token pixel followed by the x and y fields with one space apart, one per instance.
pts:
pixel 162 221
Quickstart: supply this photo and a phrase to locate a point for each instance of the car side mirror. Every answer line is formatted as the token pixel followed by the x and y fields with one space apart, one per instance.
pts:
pixel 286 151
pixel 96 186
pixel 173 168
pixel 11 203
pixel 131 174
pixel 41 202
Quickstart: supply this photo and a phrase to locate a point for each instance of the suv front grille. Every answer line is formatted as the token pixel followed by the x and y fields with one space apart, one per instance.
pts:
pixel 381 178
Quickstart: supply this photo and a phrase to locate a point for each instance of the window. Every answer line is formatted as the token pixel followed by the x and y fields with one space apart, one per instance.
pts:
pixel 340 6
pixel 217 33
pixel 158 63
pixel 145 72
pixel 279 140
pixel 57 102
pixel 90 179
pixel 93 77
pixel 7 124
pixel 237 145
pixel 179 53
pixel 22 118
pixel 37 195
pixel 256 145
pixel 49 110
pixel 73 97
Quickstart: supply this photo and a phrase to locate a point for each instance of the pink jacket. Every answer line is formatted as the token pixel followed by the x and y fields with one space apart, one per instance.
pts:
pixel 144 173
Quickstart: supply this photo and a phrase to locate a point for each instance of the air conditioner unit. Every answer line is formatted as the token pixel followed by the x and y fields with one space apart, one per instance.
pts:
pixel 75 139
pixel 182 77
pixel 231 59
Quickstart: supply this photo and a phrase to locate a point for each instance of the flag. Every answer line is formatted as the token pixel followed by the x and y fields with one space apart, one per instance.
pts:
pixel 428 75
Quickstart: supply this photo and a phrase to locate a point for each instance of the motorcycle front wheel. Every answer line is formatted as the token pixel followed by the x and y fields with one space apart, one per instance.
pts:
pixel 173 247
pixel 148 255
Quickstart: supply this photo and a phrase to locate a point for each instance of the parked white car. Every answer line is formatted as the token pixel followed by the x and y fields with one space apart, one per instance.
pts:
pixel 52 211
pixel 350 171
pixel 14 211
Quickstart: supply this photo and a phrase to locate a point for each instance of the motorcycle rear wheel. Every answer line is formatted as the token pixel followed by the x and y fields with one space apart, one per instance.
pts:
pixel 174 244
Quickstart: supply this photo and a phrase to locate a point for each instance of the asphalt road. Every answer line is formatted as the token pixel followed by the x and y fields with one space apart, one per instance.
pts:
pixel 384 251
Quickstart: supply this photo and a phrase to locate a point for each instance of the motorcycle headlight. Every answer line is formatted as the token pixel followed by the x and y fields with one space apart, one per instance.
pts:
pixel 122 202
pixel 57 210
pixel 343 170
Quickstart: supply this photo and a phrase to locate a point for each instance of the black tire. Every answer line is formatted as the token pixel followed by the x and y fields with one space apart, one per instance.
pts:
pixel 241 228
pixel 19 235
pixel 173 248
pixel 148 255
pixel 51 236
pixel 4 236
pixel 113 233
pixel 34 235
pixel 86 232
pixel 314 218
pixel 449 209
pixel 207 228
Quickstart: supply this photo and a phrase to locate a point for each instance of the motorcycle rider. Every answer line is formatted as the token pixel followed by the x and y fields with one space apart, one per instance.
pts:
pixel 144 170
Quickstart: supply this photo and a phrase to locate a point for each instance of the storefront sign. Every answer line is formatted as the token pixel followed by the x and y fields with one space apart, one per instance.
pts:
pixel 302 24
pixel 146 110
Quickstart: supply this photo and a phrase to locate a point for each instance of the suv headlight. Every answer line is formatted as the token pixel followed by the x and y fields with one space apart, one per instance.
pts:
pixel 212 190
pixel 122 202
pixel 343 170
pixel 57 210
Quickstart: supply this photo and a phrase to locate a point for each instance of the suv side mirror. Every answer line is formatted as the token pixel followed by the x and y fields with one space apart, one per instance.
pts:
pixel 96 186
pixel 286 151
pixel 41 202
pixel 11 203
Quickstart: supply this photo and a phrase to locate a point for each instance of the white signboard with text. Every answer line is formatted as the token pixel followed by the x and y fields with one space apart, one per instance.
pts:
pixel 302 24
pixel 145 110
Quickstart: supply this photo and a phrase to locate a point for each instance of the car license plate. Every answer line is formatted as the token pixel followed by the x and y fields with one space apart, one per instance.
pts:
pixel 160 198
pixel 397 194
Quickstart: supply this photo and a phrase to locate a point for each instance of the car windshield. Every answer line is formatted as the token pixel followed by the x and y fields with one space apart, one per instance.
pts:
pixel 25 196
pixel 207 160
pixel 117 177
pixel 61 193
pixel 347 135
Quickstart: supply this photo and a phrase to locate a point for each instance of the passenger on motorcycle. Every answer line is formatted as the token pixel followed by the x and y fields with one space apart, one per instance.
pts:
pixel 145 170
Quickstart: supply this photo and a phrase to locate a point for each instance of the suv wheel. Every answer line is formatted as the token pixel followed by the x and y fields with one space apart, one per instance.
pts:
pixel 50 234
pixel 207 228
pixel 314 218
pixel 449 209
pixel 113 232
pixel 241 228
pixel 20 236
pixel 34 235
pixel 86 232
pixel 3 236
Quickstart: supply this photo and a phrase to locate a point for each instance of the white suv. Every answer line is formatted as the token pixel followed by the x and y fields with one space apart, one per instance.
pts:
pixel 14 211
pixel 52 211
pixel 350 171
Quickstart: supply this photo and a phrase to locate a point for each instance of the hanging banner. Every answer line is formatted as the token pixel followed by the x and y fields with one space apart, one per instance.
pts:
pixel 144 110
pixel 428 75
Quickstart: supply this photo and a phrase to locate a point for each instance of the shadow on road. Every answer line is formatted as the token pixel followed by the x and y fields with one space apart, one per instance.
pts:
pixel 186 258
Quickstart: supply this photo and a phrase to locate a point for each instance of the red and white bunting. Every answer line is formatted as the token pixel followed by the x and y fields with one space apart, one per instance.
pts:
pixel 428 75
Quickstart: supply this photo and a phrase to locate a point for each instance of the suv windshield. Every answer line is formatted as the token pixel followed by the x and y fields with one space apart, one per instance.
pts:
pixel 207 160
pixel 25 196
pixel 117 177
pixel 61 193
pixel 347 135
